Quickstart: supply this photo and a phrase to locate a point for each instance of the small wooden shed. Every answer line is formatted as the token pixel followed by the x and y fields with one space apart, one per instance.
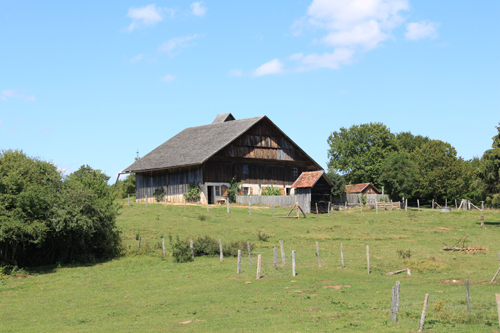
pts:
pixel 311 188
pixel 363 188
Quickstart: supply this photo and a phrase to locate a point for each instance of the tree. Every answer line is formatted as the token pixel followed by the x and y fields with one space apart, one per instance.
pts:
pixel 439 171
pixel 45 218
pixel 490 171
pixel 359 152
pixel 125 187
pixel 399 175
pixel 338 181
pixel 405 141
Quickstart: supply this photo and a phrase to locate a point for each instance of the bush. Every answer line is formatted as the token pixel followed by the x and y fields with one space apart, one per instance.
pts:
pixel 233 189
pixel 193 193
pixel 263 236
pixel 404 254
pixel 181 251
pixel 159 193
pixel 208 246
pixel 271 190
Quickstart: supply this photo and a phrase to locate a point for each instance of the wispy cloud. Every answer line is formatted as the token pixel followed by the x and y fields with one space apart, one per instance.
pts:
pixel 199 8
pixel 168 78
pixel 421 30
pixel 7 94
pixel 348 29
pixel 146 16
pixel 137 58
pixel 271 67
pixel 235 72
pixel 173 46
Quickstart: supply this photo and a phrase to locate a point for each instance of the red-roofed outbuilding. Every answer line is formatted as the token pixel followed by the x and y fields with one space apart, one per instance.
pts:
pixel 313 188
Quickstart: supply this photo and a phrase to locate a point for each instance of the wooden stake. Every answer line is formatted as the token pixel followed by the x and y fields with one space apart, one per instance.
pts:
pixel 163 245
pixel 424 310
pixel 317 252
pixel 418 204
pixel 139 243
pixel 221 253
pixel 249 253
pixel 250 207
pixel 128 199
pixel 497 296
pixel 259 261
pixel 397 296
pixel 192 248
pixel 146 200
pixel 329 205
pixel 456 207
pixel 432 204
pixel 482 221
pixel 393 305
pixel 239 262
pixel 406 205
pixel 165 201
pixel 282 253
pixel 446 203
pixel 342 254
pixel 482 206
pixel 345 210
pixel 391 205
pixel 467 290
pixel 293 263
pixel 368 259
pixel 275 257
pixel 273 210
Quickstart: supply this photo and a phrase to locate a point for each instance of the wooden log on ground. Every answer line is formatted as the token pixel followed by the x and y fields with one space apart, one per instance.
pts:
pixel 397 272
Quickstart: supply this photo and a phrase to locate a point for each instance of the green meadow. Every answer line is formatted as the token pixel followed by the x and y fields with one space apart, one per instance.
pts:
pixel 143 292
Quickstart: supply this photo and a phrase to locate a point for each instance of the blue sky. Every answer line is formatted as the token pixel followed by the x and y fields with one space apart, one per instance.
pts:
pixel 94 82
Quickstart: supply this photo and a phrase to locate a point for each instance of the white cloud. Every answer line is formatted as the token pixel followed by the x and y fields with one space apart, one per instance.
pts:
pixel 271 67
pixel 145 16
pixel 421 30
pixel 341 56
pixel 235 72
pixel 296 56
pixel 199 8
pixel 137 58
pixel 173 46
pixel 168 78
pixel 7 94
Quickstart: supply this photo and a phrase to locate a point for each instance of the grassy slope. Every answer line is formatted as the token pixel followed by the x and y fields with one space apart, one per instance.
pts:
pixel 142 292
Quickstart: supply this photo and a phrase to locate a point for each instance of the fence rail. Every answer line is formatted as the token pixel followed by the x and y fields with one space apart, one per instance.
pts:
pixel 277 200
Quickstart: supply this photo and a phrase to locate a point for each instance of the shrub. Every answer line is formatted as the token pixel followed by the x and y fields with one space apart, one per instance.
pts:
pixel 159 193
pixel 404 254
pixel 271 190
pixel 181 251
pixel 263 236
pixel 193 193
pixel 205 246
pixel 233 189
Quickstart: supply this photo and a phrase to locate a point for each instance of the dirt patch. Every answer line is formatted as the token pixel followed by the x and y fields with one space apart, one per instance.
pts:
pixel 299 292
pixel 452 281
pixel 443 228
pixel 185 322
pixel 309 310
pixel 327 281
pixel 337 287
pixel 234 278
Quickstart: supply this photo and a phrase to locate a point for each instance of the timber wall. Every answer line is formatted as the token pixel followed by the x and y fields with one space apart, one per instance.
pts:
pixel 277 200
pixel 173 181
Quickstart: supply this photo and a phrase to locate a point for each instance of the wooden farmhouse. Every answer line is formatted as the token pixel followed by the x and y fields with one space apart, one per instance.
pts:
pixel 254 150
pixel 363 188
pixel 313 188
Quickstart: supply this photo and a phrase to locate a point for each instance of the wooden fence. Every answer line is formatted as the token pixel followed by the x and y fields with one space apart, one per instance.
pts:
pixel 277 200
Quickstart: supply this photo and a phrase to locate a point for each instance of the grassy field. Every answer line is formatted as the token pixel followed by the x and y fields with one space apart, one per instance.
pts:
pixel 143 292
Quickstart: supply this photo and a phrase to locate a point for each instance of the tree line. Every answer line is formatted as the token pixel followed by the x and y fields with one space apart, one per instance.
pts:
pixel 48 218
pixel 412 166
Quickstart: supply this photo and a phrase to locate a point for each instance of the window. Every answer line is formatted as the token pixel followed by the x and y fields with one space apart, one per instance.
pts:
pixel 295 172
pixel 217 191
pixel 245 170
pixel 245 190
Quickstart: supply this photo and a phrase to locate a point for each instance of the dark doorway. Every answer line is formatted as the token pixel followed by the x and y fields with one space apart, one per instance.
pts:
pixel 210 190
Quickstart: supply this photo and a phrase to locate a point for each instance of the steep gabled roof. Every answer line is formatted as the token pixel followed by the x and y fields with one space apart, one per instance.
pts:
pixel 359 188
pixel 309 179
pixel 195 145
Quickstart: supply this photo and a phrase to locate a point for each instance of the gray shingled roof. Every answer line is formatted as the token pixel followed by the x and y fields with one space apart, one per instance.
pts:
pixel 223 117
pixel 193 146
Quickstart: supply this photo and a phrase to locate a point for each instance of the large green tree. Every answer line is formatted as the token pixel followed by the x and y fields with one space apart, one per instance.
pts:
pixel 359 152
pixel 490 171
pixel 399 175
pixel 440 173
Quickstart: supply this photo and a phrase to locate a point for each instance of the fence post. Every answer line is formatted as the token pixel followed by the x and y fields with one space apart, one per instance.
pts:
pixel 368 258
pixel 393 304
pixel 391 205
pixel 250 207
pixel 293 263
pixel 163 245
pixel 275 257
pixel 345 210
pixel 467 291
pixel 317 251
pixel 422 318
pixel 249 253
pixel 221 253
pixel 192 248
pixel 482 205
pixel 456 206
pixel 329 205
pixel 282 253
pixel 146 200
pixel 406 205
pixel 418 204
pixel 342 254
pixel 432 204
pixel 165 201
pixel 259 261
pixel 482 221
pixel 446 203
pixel 128 199
pixel 239 262
pixel 397 296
